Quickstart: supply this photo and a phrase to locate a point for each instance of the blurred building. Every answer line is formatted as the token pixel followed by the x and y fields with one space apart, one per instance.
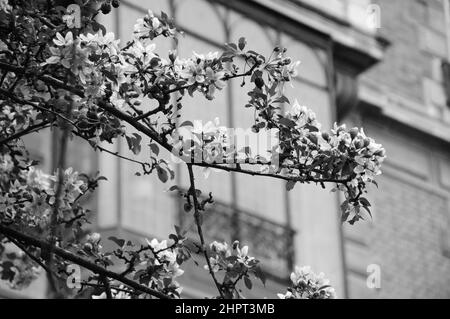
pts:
pixel 379 65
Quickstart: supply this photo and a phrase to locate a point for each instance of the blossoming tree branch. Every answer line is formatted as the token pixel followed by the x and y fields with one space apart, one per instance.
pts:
pixel 60 69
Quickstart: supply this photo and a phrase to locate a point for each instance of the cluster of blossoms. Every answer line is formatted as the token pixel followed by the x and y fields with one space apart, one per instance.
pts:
pixel 235 263
pixel 96 59
pixel 346 156
pixel 150 26
pixel 360 157
pixel 166 257
pixel 295 148
pixel 71 18
pixel 367 153
pixel 92 244
pixel 30 196
pixel 127 75
pixel 157 269
pixel 308 285
pixel 204 72
pixel 282 68
pixel 229 258
pixel 101 67
pixel 90 58
pixel 161 268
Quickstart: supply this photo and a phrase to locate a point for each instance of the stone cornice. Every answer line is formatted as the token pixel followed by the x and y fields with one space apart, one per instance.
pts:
pixel 403 110
pixel 351 45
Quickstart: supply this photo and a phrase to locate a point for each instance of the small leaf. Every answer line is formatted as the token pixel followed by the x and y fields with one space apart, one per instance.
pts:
pixel 192 89
pixel 111 76
pixel 260 274
pixel 368 210
pixel 248 282
pixel 290 185
pixel 179 231
pixel 162 174
pixel 344 216
pixel 173 237
pixel 282 99
pixel 364 201
pixel 118 241
pixel 242 43
pixel 11 255
pixel 134 143
pixel 286 122
pixel 155 149
pixel 231 46
pixel 187 123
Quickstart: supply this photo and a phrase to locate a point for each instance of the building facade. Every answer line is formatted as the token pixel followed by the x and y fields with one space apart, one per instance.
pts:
pixel 375 64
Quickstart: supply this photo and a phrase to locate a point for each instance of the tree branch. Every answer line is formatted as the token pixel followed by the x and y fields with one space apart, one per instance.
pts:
pixel 43 109
pixel 32 241
pixel 276 176
pixel 28 130
pixel 44 77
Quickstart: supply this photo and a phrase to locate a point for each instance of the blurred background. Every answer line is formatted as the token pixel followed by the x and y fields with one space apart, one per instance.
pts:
pixel 382 65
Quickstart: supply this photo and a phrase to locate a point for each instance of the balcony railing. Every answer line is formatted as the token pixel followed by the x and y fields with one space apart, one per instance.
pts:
pixel 268 241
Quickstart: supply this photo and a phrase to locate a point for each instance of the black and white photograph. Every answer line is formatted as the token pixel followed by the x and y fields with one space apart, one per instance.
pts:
pixel 213 150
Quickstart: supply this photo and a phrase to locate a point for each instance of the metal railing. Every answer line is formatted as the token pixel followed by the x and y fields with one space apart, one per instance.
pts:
pixel 270 242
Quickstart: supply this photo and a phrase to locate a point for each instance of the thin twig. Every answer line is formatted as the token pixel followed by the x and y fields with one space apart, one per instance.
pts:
pixel 28 130
pixel 200 231
pixel 43 109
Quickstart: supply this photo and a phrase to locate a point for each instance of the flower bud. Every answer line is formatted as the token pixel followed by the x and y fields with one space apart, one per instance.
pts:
pixel 115 3
pixel 380 153
pixel 354 132
pixel 172 55
pixel 326 136
pixel 105 8
pixel 94 237
pixel 313 138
